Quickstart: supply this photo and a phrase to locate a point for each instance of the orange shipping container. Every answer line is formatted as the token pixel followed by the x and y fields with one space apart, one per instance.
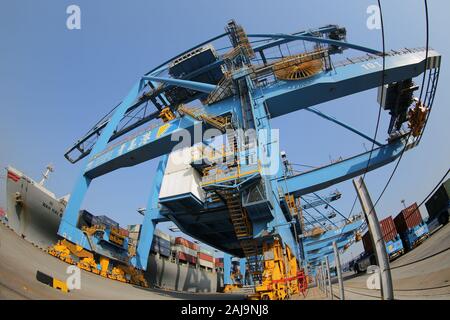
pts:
pixel 388 229
pixel 187 257
pixel 205 257
pixel 408 218
pixel 186 243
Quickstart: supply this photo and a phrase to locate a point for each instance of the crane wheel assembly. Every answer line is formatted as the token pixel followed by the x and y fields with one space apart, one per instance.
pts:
pixel 281 276
pixel 85 260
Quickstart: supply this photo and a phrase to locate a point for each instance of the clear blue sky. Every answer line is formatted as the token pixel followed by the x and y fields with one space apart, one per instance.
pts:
pixel 56 83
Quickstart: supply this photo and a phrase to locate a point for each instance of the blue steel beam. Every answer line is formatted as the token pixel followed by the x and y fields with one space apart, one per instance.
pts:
pixel 285 97
pixel 316 40
pixel 325 250
pixel 152 216
pixel 67 227
pixel 314 243
pixel 342 124
pixel 332 174
pixel 194 85
pixel 282 98
pixel 278 42
pixel 329 204
pixel 322 201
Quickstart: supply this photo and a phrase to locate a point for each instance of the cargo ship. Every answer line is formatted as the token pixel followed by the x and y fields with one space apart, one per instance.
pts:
pixel 175 263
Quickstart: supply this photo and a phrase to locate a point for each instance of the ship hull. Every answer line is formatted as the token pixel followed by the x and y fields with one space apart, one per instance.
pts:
pixel 33 213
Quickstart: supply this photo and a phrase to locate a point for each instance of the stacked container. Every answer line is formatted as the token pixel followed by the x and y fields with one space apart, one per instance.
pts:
pixel 367 243
pixel 161 243
pixel 186 251
pixel 411 227
pixel 134 232
pixel 218 262
pixel 392 240
pixel 388 229
pixel 104 220
pixel 205 258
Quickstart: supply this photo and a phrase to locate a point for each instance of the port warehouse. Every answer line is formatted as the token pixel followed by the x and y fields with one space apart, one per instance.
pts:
pixel 407 229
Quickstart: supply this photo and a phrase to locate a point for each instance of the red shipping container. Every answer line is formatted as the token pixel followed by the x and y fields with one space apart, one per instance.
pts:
pixel 124 232
pixel 186 243
pixel 187 257
pixel 388 229
pixel 367 242
pixel 206 257
pixel 408 218
pixel 2 212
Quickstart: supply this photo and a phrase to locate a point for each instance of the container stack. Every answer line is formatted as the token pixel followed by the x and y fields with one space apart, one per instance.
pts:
pixel 186 251
pixel 161 243
pixel 411 227
pixel 104 220
pixel 388 229
pixel 134 232
pixel 205 258
pixel 367 243
pixel 218 262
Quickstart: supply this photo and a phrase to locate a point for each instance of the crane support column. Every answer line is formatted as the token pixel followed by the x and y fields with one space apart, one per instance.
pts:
pixel 67 228
pixel 152 215
pixel 227 270
pixel 387 292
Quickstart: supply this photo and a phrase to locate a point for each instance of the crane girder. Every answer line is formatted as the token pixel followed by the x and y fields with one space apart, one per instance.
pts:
pixel 280 99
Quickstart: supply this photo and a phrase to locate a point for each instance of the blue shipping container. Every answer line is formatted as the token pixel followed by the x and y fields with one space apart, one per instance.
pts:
pixel 414 235
pixel 161 246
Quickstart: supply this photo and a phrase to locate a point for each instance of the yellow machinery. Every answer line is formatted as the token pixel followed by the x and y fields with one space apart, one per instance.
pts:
pixel 299 67
pixel 236 277
pixel 417 117
pixel 166 114
pixel 281 277
pixel 65 250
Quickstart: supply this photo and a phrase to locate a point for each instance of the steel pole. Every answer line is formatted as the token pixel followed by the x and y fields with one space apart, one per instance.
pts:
pixel 321 280
pixel 330 287
pixel 337 260
pixel 387 292
pixel 324 278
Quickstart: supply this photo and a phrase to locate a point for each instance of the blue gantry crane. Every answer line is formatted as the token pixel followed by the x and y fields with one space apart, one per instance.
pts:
pixel 207 116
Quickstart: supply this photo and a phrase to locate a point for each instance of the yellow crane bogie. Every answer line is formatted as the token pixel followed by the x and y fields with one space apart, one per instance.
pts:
pixel 282 276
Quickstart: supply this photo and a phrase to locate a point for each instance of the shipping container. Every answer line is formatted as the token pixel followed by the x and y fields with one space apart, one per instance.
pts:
pixel 439 203
pixel 162 235
pixel 106 221
pixel 388 229
pixel 161 250
pixel 186 243
pixel 2 213
pixel 408 218
pixel 157 241
pixel 205 251
pixel 218 262
pixel 367 242
pixel 206 264
pixel 205 257
pixel 181 248
pixel 186 257
pixel 394 247
pixel 135 228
